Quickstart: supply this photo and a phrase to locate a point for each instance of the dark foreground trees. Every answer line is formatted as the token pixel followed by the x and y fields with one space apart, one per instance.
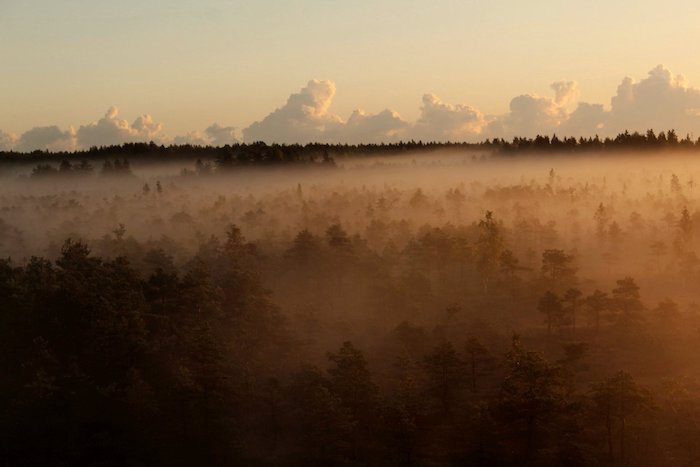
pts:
pixel 108 368
pixel 110 363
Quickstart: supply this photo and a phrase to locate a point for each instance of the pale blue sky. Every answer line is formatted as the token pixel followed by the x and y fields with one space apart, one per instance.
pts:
pixel 192 63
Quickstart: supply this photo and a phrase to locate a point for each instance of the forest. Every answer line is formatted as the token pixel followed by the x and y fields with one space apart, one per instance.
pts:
pixel 414 304
pixel 262 154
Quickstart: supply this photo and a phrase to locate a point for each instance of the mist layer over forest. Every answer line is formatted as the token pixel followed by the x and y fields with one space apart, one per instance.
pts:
pixel 449 308
pixel 616 215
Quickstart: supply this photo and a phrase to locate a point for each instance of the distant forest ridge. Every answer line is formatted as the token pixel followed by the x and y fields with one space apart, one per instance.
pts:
pixel 260 153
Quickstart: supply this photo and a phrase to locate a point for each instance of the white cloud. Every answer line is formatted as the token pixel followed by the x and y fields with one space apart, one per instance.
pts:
pixel 439 121
pixel 221 136
pixel 195 138
pixel 586 120
pixel 111 130
pixel 532 115
pixel 306 118
pixel 659 101
pixel 361 127
pixel 7 141
pixel 145 127
pixel 565 92
pixel 214 135
pixel 303 119
pixel 49 138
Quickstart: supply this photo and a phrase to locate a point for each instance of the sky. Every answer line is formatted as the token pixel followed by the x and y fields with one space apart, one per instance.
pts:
pixel 215 71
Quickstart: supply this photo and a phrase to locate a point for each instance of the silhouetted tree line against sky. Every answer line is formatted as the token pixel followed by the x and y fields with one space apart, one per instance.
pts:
pixel 261 153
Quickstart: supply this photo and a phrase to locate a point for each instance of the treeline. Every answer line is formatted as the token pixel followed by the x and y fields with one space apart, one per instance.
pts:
pixel 622 142
pixel 229 155
pixel 82 167
pixel 260 153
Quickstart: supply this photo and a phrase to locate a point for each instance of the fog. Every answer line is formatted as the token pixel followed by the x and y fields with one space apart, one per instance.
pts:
pixel 584 264
pixel 541 203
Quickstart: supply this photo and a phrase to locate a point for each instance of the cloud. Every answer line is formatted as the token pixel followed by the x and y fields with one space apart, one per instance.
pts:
pixel 439 121
pixel 145 127
pixel 306 117
pixel 214 135
pixel 659 101
pixel 586 120
pixel 303 119
pixel 49 138
pixel 7 141
pixel 195 138
pixel 111 130
pixel 221 136
pixel 564 92
pixel 361 127
pixel 531 115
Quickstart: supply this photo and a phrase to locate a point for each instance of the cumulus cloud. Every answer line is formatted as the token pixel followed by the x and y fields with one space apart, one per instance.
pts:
pixel 439 121
pixel 195 138
pixel 49 138
pixel 111 130
pixel 214 135
pixel 304 118
pixel 586 120
pixel 565 92
pixel 361 127
pixel 221 135
pixel 7 141
pixel 531 115
pixel 660 101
